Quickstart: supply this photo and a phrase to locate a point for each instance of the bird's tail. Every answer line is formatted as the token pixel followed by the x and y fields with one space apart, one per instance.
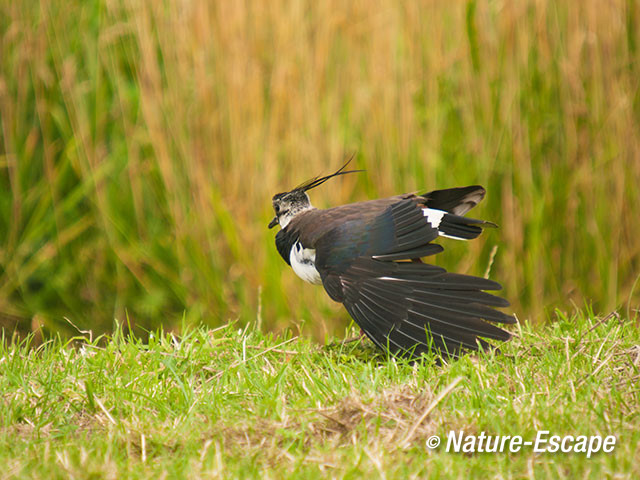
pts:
pixel 454 226
pixel 455 200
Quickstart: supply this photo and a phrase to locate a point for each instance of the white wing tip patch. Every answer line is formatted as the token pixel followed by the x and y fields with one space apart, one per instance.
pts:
pixel 434 217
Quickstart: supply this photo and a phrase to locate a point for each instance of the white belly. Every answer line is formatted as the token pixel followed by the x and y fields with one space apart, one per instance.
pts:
pixel 303 262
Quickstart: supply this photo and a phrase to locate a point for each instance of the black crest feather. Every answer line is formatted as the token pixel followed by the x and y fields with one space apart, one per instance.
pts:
pixel 316 181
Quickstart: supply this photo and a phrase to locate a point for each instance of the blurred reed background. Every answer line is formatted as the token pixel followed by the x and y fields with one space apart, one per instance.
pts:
pixel 141 143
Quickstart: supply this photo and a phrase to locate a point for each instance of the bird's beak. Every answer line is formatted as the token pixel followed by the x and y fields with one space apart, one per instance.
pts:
pixel 273 222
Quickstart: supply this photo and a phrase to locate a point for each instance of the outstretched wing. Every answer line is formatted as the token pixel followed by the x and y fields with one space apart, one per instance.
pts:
pixel 403 306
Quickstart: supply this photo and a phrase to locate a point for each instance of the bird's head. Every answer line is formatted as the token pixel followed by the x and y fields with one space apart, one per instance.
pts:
pixel 287 205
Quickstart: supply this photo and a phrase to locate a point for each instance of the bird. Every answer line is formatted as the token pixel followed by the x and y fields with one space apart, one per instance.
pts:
pixel 368 256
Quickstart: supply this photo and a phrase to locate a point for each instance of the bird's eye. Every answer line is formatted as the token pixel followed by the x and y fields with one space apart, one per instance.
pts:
pixel 277 208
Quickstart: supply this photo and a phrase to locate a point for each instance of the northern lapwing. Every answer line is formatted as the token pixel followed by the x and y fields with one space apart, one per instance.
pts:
pixel 367 255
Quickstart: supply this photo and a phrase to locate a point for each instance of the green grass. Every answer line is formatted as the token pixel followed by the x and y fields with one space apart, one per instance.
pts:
pixel 241 404
pixel 140 145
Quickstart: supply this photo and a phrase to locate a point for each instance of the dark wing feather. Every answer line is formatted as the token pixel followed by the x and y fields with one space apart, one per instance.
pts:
pixel 400 231
pixel 410 310
pixel 406 307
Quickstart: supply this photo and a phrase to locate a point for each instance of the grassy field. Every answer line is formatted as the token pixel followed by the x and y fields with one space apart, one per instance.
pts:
pixel 140 144
pixel 236 403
